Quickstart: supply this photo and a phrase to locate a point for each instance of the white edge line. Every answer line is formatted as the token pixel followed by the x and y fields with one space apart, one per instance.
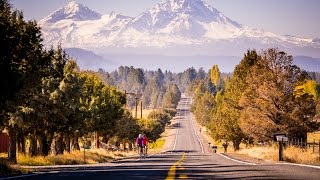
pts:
pixel 175 140
pixel 247 163
pixel 194 129
pixel 303 165
pixel 22 176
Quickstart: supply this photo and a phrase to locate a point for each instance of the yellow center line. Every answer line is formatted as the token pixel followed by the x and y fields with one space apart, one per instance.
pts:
pixel 172 170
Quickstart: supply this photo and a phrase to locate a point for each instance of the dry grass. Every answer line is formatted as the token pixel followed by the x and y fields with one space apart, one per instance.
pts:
pixel 145 113
pixel 290 154
pixel 75 157
pixel 265 153
pixel 298 155
pixel 3 155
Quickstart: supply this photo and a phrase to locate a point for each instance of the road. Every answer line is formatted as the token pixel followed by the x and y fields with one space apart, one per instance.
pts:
pixel 184 157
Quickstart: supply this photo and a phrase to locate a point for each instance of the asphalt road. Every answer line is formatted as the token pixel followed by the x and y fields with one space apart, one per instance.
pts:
pixel 184 157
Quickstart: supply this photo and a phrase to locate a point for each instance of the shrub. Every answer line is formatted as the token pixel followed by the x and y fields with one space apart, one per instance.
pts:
pixel 170 111
pixel 161 116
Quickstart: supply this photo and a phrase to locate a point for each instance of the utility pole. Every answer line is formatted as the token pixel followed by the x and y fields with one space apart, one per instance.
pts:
pixel 125 92
pixel 141 108
pixel 136 106
pixel 136 103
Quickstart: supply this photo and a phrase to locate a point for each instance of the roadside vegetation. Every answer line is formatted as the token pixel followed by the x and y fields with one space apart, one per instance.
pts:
pixel 266 94
pixel 52 109
pixel 6 169
pixel 291 154
pixel 75 157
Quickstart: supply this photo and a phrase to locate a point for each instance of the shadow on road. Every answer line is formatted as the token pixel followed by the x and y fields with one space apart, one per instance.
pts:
pixel 195 166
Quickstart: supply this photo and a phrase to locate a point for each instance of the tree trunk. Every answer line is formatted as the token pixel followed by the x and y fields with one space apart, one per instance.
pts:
pixel 130 146
pixel 236 144
pixel 75 143
pixel 67 142
pixel 44 145
pixel 97 140
pixel 59 145
pixel 105 139
pixel 118 144
pixel 33 146
pixel 21 144
pixel 12 152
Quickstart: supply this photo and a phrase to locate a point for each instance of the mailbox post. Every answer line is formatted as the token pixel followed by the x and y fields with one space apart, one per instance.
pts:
pixel 84 152
pixel 280 138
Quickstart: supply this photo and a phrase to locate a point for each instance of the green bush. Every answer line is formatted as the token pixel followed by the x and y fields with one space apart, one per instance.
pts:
pixel 170 111
pixel 161 116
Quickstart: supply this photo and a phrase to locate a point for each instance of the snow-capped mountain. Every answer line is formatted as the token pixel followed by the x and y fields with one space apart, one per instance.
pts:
pixel 186 18
pixel 171 26
pixel 74 11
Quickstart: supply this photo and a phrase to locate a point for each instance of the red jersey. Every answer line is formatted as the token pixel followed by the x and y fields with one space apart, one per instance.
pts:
pixel 145 141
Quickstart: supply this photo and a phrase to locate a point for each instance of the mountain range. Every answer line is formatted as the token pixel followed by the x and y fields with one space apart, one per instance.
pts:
pixel 183 29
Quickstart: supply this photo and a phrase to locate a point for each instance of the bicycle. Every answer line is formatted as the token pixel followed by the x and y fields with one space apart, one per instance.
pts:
pixel 145 150
pixel 140 151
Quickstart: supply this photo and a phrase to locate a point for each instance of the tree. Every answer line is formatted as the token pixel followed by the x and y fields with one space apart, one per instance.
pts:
pixel 311 87
pixel 269 102
pixel 215 75
pixel 20 58
pixel 225 118
pixel 172 96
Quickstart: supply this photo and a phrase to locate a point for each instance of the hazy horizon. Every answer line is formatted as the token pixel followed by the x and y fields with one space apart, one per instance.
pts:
pixel 286 17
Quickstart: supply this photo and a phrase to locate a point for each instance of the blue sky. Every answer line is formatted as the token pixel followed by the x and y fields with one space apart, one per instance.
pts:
pixel 294 17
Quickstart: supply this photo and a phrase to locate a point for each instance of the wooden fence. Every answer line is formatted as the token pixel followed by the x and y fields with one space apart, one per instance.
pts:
pixel 4 142
pixel 310 146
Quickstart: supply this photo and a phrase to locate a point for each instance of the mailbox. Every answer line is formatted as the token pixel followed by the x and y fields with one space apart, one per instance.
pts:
pixel 278 136
pixel 86 147
pixel 214 149
pixel 282 138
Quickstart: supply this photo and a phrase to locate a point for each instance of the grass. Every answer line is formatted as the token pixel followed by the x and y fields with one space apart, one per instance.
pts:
pixel 290 154
pixel 157 145
pixel 145 112
pixel 75 157
pixel 265 153
pixel 297 155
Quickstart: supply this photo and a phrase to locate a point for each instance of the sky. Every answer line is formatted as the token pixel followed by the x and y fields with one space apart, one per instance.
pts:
pixel 286 17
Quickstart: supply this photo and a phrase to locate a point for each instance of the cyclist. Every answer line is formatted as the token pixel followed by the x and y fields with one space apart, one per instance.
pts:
pixel 145 145
pixel 139 143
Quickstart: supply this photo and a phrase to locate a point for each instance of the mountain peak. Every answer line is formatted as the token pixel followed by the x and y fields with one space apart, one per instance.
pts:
pixel 73 10
pixel 73 7
pixel 186 18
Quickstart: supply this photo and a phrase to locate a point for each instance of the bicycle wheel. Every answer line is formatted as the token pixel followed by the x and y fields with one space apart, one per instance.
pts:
pixel 140 152
pixel 145 151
